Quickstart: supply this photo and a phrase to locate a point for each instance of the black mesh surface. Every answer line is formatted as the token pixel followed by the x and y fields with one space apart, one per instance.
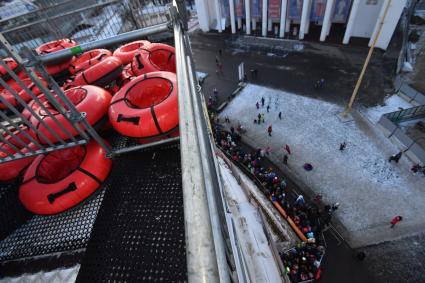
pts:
pixel 138 235
pixel 12 213
pixel 41 235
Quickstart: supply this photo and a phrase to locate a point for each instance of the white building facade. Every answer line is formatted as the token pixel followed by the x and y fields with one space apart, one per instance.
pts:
pixel 296 18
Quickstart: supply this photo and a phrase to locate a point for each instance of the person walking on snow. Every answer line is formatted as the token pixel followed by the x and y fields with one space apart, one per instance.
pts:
pixel 396 157
pixel 288 149
pixel 300 200
pixel 280 115
pixel 395 220
pixel 285 159
pixel 269 130
pixel 262 101
pixel 268 108
pixel 268 150
pixel 257 105
pixel 262 118
pixel 259 118
pixel 342 146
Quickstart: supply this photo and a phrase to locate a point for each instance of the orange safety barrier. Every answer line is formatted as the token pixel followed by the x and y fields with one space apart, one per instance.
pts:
pixel 290 221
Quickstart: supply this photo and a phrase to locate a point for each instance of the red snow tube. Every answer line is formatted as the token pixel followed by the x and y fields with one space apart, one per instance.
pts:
pixel 126 52
pixel 101 74
pixel 10 170
pixel 54 46
pixel 20 91
pixel 158 57
pixel 59 68
pixel 90 99
pixel 87 59
pixel 125 76
pixel 146 107
pixel 56 67
pixel 11 64
pixel 62 179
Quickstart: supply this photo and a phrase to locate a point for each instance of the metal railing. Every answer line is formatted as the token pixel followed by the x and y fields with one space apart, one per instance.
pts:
pixel 406 114
pixel 83 21
pixel 43 137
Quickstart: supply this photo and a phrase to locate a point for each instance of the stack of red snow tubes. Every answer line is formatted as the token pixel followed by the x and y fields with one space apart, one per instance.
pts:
pixel 134 87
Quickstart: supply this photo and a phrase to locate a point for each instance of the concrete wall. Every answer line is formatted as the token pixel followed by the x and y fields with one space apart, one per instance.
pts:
pixel 366 19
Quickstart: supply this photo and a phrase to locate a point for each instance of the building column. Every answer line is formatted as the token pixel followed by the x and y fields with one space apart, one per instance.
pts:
pixel 307 27
pixel 378 21
pixel 218 15
pixel 283 7
pixel 232 15
pixel 264 19
pixel 248 16
pixel 305 17
pixel 327 20
pixel 203 15
pixel 351 20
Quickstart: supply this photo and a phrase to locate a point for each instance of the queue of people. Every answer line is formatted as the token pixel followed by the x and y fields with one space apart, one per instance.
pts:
pixel 302 263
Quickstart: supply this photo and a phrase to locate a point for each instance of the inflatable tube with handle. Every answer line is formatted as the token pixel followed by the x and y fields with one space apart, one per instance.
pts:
pixel 63 179
pixel 146 107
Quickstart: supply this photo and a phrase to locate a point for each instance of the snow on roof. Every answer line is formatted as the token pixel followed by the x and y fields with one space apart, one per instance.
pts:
pixel 62 275
pixel 255 248
pixel 391 104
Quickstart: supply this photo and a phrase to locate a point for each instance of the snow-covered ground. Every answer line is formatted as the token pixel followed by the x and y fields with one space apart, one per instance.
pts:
pixel 254 245
pixel 391 104
pixel 370 190
pixel 63 275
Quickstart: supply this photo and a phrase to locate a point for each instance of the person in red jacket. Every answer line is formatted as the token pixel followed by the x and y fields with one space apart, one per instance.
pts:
pixel 396 220
pixel 269 130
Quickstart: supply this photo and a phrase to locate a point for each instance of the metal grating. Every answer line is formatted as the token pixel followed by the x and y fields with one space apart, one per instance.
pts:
pixel 12 213
pixel 139 232
pixel 42 235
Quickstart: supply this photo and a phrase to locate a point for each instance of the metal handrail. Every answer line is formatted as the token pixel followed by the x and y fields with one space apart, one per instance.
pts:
pixel 201 255
pixel 406 114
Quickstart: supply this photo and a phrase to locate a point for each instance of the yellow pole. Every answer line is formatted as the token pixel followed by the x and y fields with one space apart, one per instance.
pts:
pixel 366 63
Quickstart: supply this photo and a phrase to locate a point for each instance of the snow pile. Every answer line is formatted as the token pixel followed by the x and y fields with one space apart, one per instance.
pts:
pixel 391 104
pixel 63 275
pixel 369 188
pixel 249 230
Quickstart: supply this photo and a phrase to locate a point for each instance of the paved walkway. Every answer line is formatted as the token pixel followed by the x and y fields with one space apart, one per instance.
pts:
pixel 294 72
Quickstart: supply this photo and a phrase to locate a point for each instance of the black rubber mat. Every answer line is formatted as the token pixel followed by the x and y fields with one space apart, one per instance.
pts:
pixel 43 235
pixel 138 235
